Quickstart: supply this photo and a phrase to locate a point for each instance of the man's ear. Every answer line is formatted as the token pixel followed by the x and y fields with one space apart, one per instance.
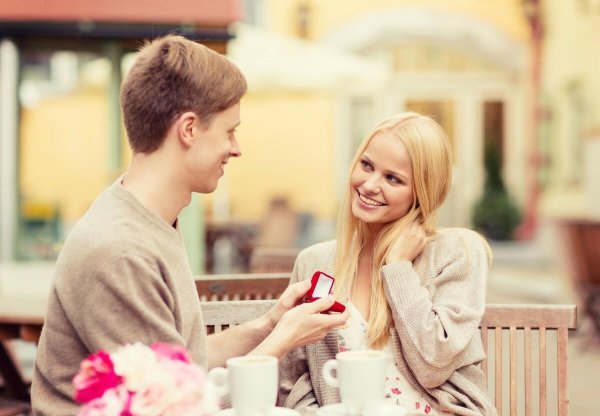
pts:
pixel 187 127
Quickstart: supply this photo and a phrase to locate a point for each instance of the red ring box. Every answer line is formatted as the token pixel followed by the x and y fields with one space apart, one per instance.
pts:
pixel 321 286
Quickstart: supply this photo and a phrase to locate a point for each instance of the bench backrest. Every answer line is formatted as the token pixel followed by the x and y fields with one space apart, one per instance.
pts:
pixel 551 324
pixel 251 286
pixel 219 316
pixel 498 319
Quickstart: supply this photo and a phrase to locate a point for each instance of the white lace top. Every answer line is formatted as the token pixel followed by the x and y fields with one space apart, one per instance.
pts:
pixel 352 336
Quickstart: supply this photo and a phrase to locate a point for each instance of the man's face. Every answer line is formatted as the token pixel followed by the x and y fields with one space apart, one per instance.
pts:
pixel 214 144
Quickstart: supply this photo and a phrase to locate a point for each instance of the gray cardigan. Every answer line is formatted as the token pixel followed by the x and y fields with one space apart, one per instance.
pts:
pixel 437 303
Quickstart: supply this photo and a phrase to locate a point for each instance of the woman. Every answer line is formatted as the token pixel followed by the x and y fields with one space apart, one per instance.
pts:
pixel 412 289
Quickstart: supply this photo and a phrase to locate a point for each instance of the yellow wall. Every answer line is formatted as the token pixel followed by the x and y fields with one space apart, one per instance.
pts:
pixel 327 15
pixel 287 150
pixel 571 53
pixel 64 151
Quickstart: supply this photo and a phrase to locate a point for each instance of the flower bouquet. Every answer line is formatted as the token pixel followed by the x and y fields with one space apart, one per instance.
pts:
pixel 137 380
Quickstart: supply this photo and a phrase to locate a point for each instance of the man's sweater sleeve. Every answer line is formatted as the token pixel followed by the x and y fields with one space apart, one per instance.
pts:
pixel 436 324
pixel 130 296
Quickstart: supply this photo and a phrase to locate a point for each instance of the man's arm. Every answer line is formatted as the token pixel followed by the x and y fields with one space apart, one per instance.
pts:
pixel 237 340
pixel 287 326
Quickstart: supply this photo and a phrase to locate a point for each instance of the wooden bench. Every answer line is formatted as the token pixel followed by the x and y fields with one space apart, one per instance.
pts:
pixel 219 316
pixel 498 319
pixel 251 286
pixel 551 323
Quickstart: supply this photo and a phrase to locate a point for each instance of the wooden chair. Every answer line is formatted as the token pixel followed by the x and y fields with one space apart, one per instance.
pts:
pixel 498 319
pixel 273 259
pixel 252 286
pixel 581 253
pixel 528 319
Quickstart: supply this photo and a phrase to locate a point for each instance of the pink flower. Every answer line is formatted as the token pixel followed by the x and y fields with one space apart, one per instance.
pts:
pixel 171 352
pixel 144 381
pixel 427 409
pixel 114 402
pixel 396 390
pixel 95 376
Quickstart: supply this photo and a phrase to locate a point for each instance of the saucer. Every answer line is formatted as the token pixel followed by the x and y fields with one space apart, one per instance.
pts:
pixel 278 411
pixel 338 409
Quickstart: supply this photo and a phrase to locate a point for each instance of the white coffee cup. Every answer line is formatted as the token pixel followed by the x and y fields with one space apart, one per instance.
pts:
pixel 360 379
pixel 251 381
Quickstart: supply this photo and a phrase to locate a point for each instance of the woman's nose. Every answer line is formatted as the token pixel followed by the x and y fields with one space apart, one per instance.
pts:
pixel 372 184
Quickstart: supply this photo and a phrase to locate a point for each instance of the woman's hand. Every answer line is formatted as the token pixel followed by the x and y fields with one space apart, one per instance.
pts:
pixel 409 245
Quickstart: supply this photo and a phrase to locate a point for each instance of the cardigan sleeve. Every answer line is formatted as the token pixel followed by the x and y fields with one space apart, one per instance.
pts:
pixel 436 324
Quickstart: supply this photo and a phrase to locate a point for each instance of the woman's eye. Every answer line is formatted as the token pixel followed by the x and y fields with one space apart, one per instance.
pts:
pixel 394 180
pixel 365 164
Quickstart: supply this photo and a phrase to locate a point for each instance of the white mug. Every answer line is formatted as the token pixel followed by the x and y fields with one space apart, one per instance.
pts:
pixel 360 379
pixel 251 381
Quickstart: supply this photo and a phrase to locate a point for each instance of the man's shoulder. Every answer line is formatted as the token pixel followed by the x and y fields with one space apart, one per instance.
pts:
pixel 104 232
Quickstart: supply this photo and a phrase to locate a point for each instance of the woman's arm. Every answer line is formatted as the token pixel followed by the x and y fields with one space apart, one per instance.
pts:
pixel 437 325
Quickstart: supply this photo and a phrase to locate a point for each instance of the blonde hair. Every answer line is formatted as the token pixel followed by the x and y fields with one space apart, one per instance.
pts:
pixel 172 75
pixel 431 160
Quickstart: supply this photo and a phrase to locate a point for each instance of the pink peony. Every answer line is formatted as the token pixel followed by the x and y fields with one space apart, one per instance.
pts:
pixel 171 352
pixel 114 402
pixel 95 376
pixel 144 381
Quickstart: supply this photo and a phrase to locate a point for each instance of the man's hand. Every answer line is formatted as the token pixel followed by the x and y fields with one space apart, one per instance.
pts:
pixel 301 325
pixel 292 296
pixel 409 245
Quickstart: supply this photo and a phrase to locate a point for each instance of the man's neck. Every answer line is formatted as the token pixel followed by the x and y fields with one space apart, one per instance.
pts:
pixel 156 188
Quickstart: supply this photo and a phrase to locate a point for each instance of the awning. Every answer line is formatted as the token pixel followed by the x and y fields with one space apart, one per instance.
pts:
pixel 273 61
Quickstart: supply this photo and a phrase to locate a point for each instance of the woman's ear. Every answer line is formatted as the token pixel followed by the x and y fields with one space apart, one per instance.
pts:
pixel 187 126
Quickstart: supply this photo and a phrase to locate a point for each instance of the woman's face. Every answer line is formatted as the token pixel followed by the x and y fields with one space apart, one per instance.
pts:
pixel 382 181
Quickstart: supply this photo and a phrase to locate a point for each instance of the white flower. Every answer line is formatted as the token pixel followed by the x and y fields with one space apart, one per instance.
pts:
pixel 137 364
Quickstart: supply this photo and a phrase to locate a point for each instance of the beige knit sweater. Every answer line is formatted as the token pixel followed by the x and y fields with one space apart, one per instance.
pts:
pixel 122 276
pixel 437 303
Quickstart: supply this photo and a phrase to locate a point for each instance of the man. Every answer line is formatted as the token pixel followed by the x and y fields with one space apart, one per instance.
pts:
pixel 123 275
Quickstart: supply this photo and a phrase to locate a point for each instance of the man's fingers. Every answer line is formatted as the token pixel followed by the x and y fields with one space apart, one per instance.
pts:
pixel 295 292
pixel 321 304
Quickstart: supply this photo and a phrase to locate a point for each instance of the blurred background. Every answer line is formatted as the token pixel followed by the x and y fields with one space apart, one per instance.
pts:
pixel 515 83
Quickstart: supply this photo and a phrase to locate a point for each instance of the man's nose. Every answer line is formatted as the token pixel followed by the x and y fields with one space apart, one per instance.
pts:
pixel 236 150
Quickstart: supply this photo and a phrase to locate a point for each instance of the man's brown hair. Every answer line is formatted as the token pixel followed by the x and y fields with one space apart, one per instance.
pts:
pixel 170 76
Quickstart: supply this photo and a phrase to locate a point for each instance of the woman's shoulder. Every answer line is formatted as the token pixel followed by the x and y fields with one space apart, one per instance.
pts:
pixel 460 239
pixel 323 249
pixel 316 257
